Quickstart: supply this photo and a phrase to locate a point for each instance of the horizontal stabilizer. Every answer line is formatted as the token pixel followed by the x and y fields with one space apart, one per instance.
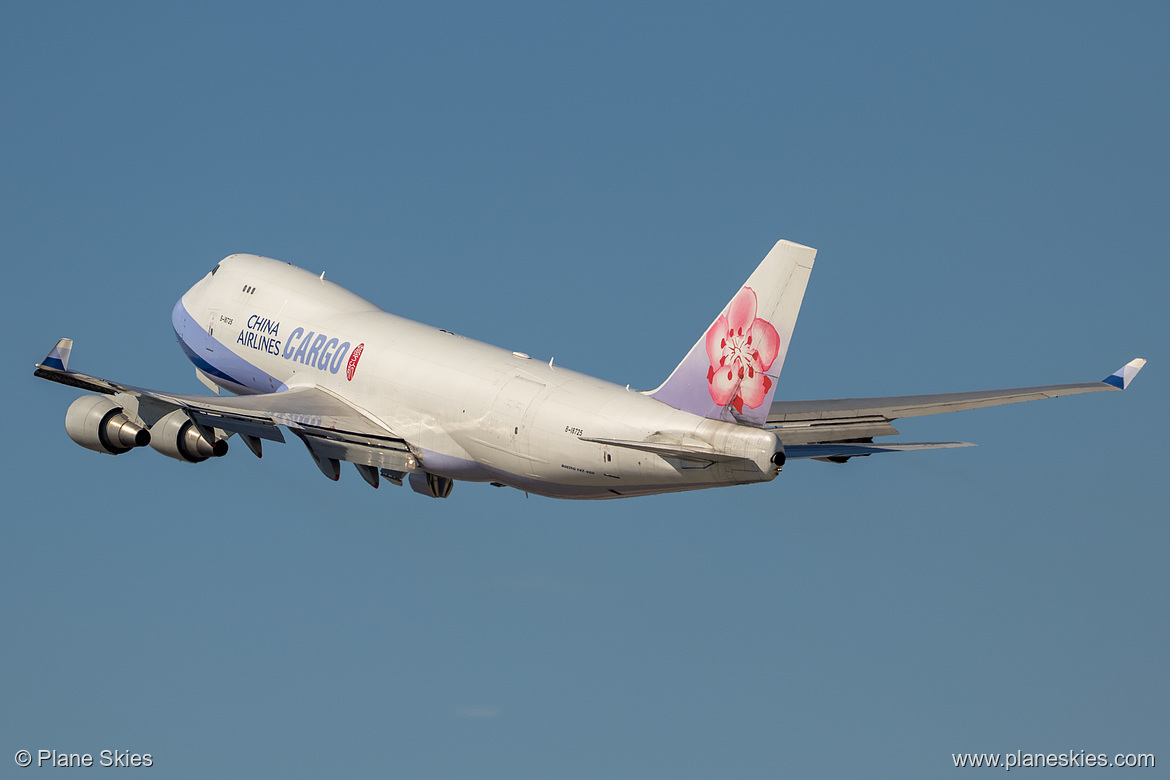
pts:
pixel 842 451
pixel 682 451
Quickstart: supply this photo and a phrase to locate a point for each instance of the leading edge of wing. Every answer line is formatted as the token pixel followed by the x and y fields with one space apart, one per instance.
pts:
pixel 894 407
pixel 297 407
pixel 305 408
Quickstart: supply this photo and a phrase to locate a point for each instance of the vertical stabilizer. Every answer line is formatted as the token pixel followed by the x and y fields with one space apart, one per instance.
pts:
pixel 730 374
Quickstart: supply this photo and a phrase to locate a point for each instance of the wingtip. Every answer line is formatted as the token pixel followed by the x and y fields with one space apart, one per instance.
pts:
pixel 1124 375
pixel 58 357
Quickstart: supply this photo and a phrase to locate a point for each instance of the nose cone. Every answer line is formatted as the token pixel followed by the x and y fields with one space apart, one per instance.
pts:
pixel 180 318
pixel 192 295
pixel 188 306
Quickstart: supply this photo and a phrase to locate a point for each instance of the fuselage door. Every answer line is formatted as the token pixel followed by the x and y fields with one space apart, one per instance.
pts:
pixel 512 411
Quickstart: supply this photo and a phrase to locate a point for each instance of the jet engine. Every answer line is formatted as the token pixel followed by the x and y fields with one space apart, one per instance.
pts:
pixel 431 484
pixel 97 423
pixel 177 437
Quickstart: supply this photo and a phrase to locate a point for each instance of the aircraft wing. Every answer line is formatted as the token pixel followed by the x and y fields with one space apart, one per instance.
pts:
pixel 332 428
pixel 860 419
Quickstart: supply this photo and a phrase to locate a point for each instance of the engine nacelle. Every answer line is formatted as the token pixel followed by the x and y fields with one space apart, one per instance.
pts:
pixel 97 423
pixel 431 484
pixel 177 437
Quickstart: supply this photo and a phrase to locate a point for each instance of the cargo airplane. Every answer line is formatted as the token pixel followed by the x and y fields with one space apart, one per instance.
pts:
pixel 403 401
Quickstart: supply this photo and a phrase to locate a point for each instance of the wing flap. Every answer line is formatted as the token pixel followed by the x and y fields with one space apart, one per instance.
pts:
pixel 811 431
pixel 379 455
pixel 76 379
pixel 259 430
pixel 309 406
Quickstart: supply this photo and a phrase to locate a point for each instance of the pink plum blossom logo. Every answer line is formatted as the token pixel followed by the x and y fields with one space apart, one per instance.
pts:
pixel 741 347
pixel 353 361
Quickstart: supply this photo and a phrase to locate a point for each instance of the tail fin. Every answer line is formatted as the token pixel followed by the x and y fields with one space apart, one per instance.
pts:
pixel 730 374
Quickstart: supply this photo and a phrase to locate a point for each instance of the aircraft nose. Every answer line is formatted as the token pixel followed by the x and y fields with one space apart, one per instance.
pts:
pixel 193 295
pixel 188 305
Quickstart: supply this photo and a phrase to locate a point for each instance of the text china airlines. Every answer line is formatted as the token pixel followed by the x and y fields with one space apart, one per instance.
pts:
pixel 311 349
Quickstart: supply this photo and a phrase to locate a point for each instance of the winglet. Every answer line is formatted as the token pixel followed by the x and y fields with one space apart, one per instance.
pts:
pixel 59 357
pixel 1122 376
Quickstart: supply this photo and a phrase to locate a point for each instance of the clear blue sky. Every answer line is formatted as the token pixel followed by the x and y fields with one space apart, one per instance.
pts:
pixel 987 186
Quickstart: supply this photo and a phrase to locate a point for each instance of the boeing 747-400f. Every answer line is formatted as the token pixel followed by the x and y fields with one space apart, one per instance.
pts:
pixel 406 401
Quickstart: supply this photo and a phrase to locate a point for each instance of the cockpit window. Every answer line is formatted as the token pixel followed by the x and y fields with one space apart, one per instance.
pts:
pixel 213 270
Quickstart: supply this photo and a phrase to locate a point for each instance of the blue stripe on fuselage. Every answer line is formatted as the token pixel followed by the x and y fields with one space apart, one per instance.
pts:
pixel 215 359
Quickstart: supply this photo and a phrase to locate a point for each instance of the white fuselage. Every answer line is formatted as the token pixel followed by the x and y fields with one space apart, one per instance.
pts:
pixel 470 411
